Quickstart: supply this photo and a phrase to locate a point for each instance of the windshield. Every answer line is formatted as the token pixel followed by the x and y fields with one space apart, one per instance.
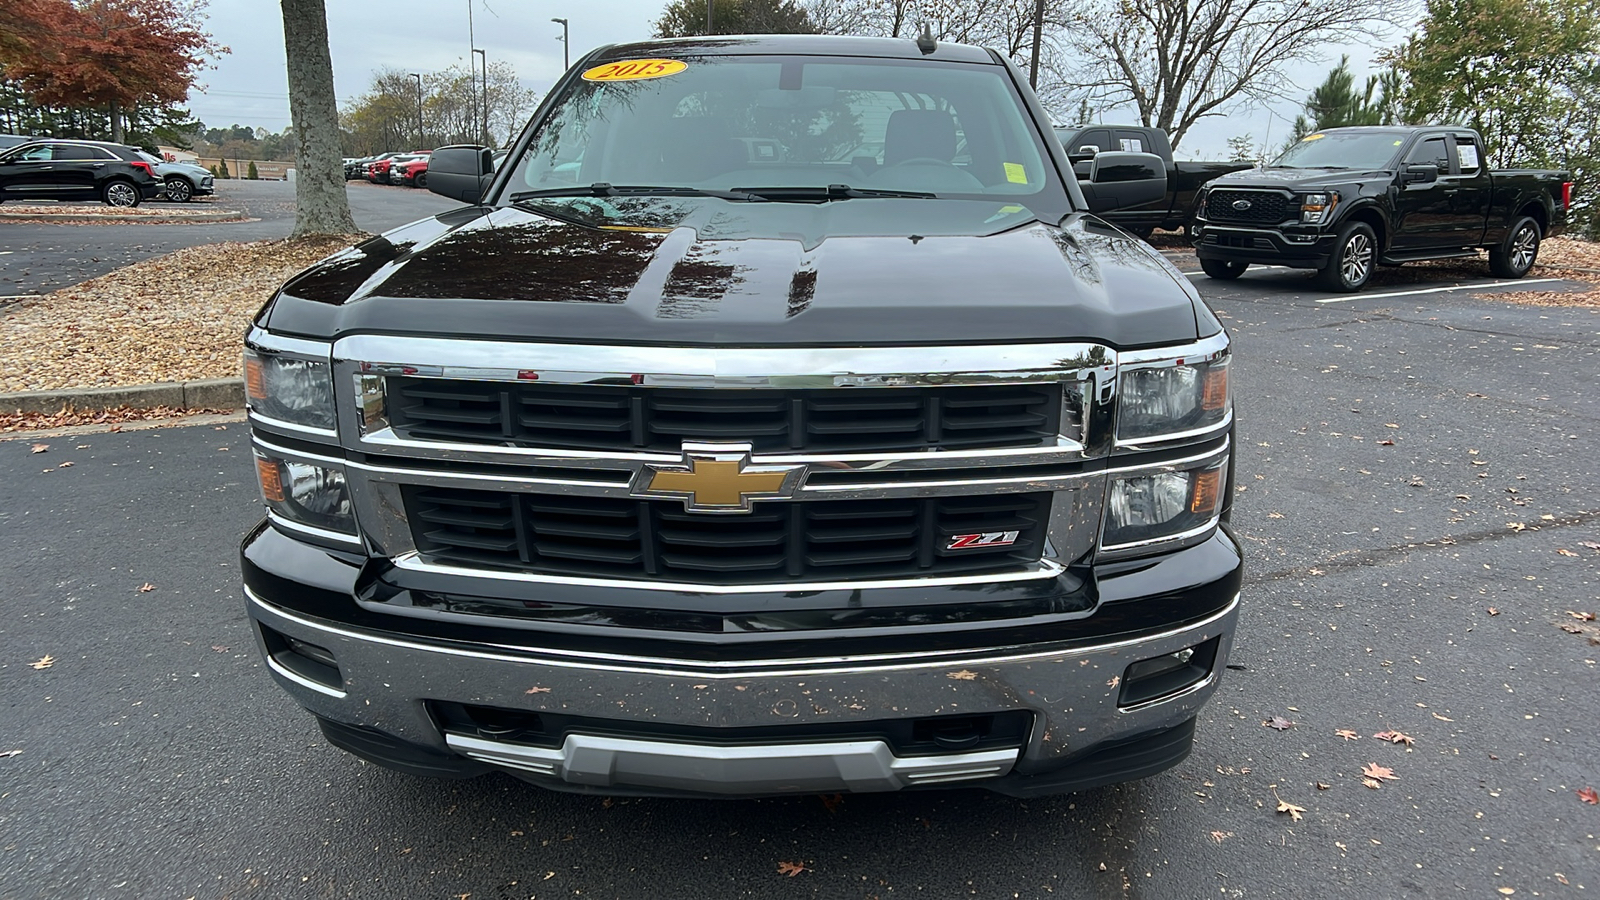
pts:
pixel 1342 150
pixel 728 124
pixel 150 158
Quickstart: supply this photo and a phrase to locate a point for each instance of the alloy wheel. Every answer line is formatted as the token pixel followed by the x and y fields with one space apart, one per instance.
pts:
pixel 121 194
pixel 1524 247
pixel 179 190
pixel 1356 261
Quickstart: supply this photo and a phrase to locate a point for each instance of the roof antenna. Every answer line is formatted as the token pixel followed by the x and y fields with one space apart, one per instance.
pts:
pixel 925 41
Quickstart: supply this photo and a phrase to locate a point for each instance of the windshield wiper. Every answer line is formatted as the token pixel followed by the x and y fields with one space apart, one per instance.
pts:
pixel 602 189
pixel 831 192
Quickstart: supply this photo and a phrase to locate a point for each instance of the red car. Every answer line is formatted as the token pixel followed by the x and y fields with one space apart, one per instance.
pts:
pixel 411 173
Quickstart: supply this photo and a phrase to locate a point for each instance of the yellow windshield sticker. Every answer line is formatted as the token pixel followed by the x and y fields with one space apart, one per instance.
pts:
pixel 1309 137
pixel 1016 174
pixel 635 70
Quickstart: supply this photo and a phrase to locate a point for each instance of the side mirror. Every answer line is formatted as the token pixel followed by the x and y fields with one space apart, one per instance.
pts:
pixel 1422 174
pixel 1119 180
pixel 461 172
pixel 1087 150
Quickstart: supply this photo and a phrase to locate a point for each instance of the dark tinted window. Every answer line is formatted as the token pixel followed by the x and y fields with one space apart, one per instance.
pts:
pixel 1431 151
pixel 1099 139
pixel 79 151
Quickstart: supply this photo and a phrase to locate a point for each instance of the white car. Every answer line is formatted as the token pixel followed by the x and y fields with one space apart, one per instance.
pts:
pixel 181 181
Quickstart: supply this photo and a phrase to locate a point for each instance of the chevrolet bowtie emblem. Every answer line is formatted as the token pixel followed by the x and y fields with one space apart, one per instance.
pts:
pixel 717 478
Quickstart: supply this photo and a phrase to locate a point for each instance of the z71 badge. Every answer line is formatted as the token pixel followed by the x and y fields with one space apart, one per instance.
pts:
pixel 987 539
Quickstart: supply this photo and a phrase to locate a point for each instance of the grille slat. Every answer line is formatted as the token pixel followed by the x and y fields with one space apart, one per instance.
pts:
pixel 779 542
pixel 629 418
pixel 1265 207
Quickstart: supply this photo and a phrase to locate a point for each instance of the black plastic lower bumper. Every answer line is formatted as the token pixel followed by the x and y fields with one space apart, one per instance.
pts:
pixel 1263 246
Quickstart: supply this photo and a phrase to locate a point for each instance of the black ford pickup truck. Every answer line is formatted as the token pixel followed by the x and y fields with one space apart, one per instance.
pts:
pixel 692 460
pixel 1345 200
pixel 1174 209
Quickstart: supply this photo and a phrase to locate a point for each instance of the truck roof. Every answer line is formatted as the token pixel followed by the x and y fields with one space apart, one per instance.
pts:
pixel 798 44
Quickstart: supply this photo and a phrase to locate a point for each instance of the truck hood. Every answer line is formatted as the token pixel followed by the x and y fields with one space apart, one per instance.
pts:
pixel 514 275
pixel 1295 179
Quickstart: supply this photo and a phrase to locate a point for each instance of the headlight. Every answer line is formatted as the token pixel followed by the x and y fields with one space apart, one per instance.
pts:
pixel 1316 208
pixel 1163 505
pixel 1172 398
pixel 306 494
pixel 290 389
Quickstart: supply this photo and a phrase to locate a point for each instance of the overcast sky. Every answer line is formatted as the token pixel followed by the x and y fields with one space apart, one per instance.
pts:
pixel 248 86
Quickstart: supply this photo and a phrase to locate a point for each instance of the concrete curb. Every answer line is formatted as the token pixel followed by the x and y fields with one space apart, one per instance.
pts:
pixel 211 393
pixel 221 215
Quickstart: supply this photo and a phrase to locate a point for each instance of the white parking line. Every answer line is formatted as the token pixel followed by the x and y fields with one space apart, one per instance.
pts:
pixel 1438 290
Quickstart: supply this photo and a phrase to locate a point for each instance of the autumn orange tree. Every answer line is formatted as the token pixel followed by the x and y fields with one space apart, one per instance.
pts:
pixel 105 54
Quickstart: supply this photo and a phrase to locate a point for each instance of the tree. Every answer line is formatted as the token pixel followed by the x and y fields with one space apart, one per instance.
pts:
pixel 1242 148
pixel 251 173
pixel 687 18
pixel 321 204
pixel 112 54
pixel 1178 61
pixel 1504 67
pixel 384 117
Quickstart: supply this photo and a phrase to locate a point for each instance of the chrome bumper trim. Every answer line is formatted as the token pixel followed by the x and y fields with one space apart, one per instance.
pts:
pixel 857 766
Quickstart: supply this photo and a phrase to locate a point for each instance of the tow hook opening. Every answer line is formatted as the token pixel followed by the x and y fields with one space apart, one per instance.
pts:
pixel 1162 676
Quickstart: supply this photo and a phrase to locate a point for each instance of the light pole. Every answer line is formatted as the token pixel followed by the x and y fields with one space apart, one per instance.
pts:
pixel 472 43
pixel 566 45
pixel 1038 37
pixel 418 77
pixel 485 104
pixel 709 29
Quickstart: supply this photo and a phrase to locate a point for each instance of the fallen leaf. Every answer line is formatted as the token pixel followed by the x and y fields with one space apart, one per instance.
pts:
pixel 1394 737
pixel 1115 680
pixel 219 648
pixel 1390 425
pixel 1220 836
pixel 1347 734
pixel 1584 616
pixel 1592 545
pixel 1274 515
pixel 1323 786
pixel 790 869
pixel 1380 773
pixel 6 753
pixel 45 662
pixel 537 690
pixel 65 465
pixel 39 448
pixel 1386 443
pixel 1278 723
pixel 962 675
pixel 1285 806
pixel 831 802
pixel 607 803
pixel 1508 891
pixel 1493 611
pixel 1561 550
pixel 146 588
pixel 1442 718
pixel 1587 795
pixel 1370 783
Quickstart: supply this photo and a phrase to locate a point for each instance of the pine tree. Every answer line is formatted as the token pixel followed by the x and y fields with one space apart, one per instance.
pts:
pixel 253 175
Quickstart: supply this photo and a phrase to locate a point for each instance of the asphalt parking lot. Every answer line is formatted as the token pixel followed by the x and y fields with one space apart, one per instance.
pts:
pixel 1416 489
pixel 37 259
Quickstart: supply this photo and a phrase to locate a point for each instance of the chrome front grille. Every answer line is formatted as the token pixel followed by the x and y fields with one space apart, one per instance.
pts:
pixel 778 542
pixel 609 418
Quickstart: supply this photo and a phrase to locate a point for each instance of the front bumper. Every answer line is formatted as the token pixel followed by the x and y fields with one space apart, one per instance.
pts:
pixel 1296 249
pixel 633 724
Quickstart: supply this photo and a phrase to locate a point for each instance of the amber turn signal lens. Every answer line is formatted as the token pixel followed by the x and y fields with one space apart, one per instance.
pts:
pixel 271 475
pixel 255 379
pixel 1203 496
pixel 1214 392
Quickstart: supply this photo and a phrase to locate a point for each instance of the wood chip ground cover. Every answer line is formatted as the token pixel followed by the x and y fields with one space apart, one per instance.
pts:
pixel 178 317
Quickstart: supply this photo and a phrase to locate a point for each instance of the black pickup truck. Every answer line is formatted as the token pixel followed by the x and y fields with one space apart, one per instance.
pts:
pixel 1345 200
pixel 1173 210
pixel 694 459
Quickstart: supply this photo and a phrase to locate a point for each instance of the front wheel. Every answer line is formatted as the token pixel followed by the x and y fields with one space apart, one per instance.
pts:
pixel 422 180
pixel 1222 269
pixel 1355 252
pixel 120 194
pixel 1514 257
pixel 179 190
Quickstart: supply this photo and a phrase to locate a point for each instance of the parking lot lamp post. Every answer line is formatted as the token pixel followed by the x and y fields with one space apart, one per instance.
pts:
pixel 566 45
pixel 418 77
pixel 485 56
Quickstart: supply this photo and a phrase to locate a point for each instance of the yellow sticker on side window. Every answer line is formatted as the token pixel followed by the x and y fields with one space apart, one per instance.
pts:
pixel 635 70
pixel 1016 174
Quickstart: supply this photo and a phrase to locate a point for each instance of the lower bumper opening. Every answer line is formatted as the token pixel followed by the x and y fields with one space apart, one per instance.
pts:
pixel 1161 677
pixel 306 663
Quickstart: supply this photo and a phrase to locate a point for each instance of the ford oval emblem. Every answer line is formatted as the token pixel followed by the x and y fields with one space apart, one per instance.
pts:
pixel 1241 205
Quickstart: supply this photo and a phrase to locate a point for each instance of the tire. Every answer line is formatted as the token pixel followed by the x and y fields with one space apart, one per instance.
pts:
pixel 121 193
pixel 1355 254
pixel 1222 269
pixel 1519 251
pixel 422 180
pixel 179 190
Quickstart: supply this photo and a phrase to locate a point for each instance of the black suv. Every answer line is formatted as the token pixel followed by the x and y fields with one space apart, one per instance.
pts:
pixel 77 170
